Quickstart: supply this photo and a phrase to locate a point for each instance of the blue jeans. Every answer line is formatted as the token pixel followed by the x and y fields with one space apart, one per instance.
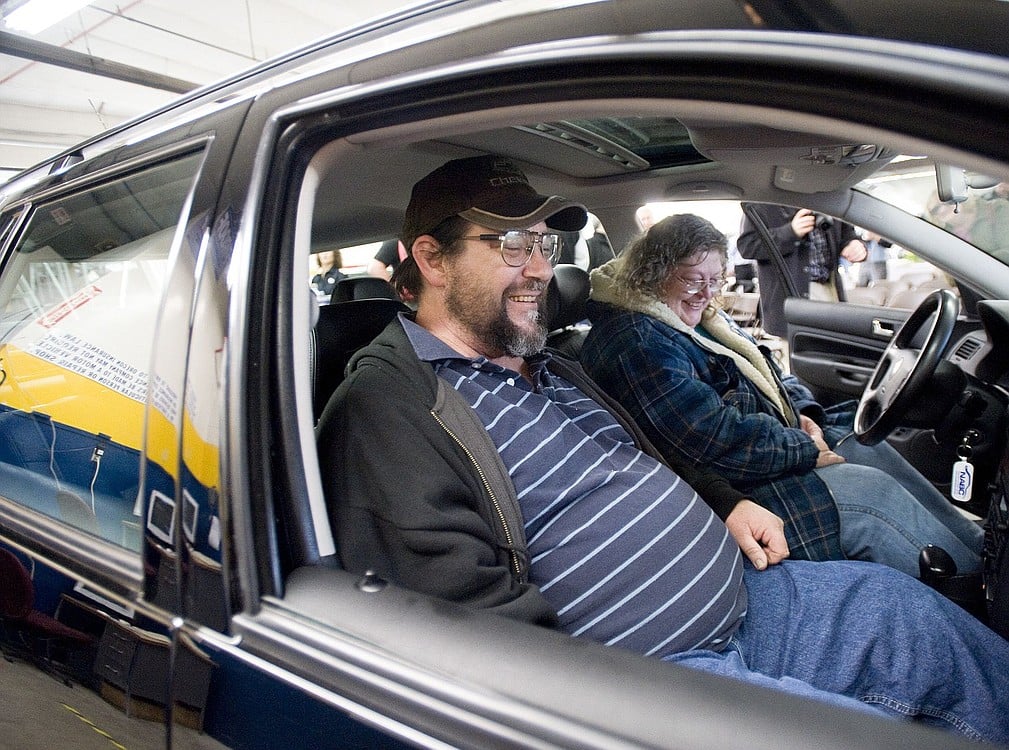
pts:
pixel 865 636
pixel 889 511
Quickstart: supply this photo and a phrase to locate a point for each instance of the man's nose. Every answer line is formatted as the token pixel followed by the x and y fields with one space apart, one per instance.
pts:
pixel 538 266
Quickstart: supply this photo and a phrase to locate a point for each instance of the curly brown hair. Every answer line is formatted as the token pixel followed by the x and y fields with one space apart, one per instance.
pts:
pixel 651 259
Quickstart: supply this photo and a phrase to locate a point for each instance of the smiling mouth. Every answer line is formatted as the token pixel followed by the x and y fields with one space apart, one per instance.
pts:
pixel 530 298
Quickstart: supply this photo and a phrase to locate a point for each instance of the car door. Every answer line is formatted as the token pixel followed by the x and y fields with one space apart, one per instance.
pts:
pixel 834 347
pixel 96 290
pixel 81 288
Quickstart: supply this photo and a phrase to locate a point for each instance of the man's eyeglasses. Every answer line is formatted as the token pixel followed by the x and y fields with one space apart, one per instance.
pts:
pixel 517 245
pixel 694 286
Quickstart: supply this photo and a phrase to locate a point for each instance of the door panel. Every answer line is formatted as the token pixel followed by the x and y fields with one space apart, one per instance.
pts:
pixel 834 347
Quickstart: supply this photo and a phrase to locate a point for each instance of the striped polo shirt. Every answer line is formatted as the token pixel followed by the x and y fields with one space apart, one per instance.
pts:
pixel 623 549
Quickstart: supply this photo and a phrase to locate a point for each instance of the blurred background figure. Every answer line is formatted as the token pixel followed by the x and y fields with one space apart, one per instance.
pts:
pixel 328 273
pixel 873 268
pixel 387 259
pixel 811 246
pixel 644 218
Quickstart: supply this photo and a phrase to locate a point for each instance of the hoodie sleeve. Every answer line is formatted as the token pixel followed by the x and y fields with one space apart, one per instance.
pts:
pixel 779 223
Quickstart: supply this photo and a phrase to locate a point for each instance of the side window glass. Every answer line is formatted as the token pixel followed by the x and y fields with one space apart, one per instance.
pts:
pixel 79 299
pixel 891 276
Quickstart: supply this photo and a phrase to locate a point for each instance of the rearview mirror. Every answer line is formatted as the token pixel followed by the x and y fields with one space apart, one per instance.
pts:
pixel 951 183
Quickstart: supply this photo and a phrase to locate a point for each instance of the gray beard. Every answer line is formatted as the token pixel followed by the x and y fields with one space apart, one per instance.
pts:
pixel 497 331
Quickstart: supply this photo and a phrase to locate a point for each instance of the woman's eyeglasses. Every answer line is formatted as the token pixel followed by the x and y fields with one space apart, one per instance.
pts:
pixel 517 245
pixel 694 286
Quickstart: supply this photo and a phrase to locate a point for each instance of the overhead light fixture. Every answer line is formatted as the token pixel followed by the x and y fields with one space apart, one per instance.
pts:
pixel 37 15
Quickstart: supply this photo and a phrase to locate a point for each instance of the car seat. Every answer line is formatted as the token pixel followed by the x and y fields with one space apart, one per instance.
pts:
pixel 362 287
pixel 566 315
pixel 342 329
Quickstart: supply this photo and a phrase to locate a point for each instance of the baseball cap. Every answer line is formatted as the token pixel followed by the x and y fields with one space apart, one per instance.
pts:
pixel 487 190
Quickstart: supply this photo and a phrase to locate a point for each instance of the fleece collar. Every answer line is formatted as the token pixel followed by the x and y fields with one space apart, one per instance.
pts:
pixel 726 338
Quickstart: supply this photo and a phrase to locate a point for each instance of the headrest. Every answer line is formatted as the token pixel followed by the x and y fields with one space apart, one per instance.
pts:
pixel 363 287
pixel 569 291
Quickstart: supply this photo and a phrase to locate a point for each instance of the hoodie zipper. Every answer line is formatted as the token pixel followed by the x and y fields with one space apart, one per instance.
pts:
pixel 516 564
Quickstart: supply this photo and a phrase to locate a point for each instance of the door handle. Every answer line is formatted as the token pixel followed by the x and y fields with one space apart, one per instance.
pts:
pixel 882 330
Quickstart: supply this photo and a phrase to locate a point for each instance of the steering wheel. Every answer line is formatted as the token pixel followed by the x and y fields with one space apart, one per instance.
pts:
pixel 902 372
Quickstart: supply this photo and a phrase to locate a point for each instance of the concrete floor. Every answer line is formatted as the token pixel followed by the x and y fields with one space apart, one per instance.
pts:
pixel 40 712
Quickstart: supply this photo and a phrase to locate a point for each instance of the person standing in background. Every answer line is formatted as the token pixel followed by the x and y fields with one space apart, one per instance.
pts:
pixel 387 259
pixel 811 246
pixel 328 272
pixel 873 268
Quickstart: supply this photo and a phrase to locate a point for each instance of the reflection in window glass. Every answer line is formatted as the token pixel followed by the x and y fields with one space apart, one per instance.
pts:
pixel 79 298
pixel 982 219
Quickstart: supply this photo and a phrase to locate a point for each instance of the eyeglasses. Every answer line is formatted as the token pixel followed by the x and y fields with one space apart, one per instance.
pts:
pixel 517 245
pixel 694 286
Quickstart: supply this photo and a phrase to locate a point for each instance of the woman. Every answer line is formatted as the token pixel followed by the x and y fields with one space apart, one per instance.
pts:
pixel 328 272
pixel 704 393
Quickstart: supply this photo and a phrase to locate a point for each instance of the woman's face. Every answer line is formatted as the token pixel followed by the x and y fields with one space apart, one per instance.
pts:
pixel 693 283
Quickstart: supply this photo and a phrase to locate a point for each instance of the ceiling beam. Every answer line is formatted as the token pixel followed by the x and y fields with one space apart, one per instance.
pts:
pixel 50 54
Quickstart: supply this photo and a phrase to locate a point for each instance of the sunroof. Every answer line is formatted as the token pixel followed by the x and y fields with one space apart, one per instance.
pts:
pixel 659 141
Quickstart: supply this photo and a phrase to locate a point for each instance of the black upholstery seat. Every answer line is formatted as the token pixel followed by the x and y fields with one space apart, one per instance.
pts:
pixel 568 295
pixel 362 287
pixel 342 329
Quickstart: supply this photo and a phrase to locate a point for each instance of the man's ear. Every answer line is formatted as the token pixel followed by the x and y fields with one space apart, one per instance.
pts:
pixel 430 260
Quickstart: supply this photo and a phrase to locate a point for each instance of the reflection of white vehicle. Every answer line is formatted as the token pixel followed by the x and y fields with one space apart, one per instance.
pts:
pixel 163 360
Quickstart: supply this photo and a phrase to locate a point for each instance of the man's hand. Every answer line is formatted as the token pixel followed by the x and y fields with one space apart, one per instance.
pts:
pixel 759 533
pixel 803 222
pixel 855 251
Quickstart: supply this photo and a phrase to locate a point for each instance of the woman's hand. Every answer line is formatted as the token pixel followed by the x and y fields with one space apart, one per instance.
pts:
pixel 826 456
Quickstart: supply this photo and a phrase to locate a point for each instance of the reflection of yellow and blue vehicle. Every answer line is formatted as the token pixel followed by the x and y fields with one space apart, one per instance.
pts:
pixel 161 352
pixel 75 385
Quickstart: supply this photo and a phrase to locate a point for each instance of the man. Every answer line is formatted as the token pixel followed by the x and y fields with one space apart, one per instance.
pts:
pixel 811 246
pixel 873 268
pixel 388 256
pixel 527 493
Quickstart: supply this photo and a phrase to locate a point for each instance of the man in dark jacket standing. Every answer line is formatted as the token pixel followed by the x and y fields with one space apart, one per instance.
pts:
pixel 516 488
pixel 810 246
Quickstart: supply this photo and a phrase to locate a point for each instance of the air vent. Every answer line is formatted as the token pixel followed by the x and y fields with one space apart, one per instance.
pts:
pixel 967 349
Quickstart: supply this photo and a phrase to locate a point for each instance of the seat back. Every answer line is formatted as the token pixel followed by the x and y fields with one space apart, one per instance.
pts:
pixel 867 295
pixel 342 329
pixel 362 287
pixel 908 299
pixel 566 303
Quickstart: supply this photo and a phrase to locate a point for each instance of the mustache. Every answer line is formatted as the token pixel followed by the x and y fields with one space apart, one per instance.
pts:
pixel 532 285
